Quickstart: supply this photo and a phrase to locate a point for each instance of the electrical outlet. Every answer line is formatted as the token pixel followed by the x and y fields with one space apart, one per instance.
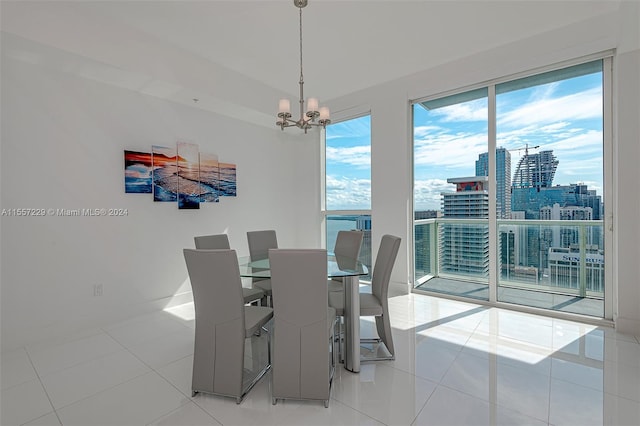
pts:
pixel 97 290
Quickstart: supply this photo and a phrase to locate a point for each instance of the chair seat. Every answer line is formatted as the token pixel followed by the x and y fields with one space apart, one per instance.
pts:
pixel 252 294
pixel 335 284
pixel 264 285
pixel 369 304
pixel 255 317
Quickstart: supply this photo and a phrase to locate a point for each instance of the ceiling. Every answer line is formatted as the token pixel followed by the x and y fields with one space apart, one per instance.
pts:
pixel 347 45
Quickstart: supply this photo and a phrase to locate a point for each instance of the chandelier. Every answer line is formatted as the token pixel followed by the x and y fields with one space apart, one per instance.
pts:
pixel 307 119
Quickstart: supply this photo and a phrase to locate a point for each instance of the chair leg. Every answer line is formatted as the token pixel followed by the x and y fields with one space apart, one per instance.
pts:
pixel 383 327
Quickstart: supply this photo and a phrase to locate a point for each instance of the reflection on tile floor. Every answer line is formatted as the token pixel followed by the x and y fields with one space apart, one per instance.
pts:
pixel 519 296
pixel 456 363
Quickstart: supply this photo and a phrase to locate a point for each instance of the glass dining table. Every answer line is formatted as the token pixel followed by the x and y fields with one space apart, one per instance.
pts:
pixel 350 270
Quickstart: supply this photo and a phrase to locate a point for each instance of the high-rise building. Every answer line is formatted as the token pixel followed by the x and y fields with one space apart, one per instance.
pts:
pixel 503 179
pixel 531 201
pixel 535 170
pixel 465 247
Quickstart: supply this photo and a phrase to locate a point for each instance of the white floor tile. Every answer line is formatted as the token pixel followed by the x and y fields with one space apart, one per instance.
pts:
pixel 427 360
pixel 255 409
pixel 50 359
pixel 590 376
pixel 61 340
pixel 510 351
pixel 450 407
pixel 16 368
pixel 187 415
pixel 81 381
pixel 621 411
pixel 178 373
pixel 472 375
pixel 23 403
pixel 166 349
pixel 139 401
pixel 622 380
pixel 533 329
pixel 578 339
pixel 386 394
pixel 502 384
pixel 152 327
pixel 575 405
pixel 523 391
pixel 445 334
pixel 48 420
pixel 622 352
pixel 314 413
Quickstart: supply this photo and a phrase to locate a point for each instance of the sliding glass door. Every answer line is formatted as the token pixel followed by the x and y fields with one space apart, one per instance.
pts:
pixel 499 172
pixel 451 200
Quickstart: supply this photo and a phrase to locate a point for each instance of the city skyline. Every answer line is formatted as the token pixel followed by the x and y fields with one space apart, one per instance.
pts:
pixel 562 115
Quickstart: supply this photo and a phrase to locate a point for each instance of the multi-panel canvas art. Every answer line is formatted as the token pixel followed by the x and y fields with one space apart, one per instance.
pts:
pixel 165 177
pixel 209 178
pixel 138 170
pixel 182 174
pixel 189 189
pixel 227 179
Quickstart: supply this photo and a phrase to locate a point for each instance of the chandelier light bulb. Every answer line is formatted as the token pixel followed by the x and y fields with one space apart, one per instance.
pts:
pixel 284 106
pixel 312 105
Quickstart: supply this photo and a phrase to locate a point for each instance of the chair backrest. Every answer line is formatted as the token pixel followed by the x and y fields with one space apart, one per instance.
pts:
pixel 260 242
pixel 348 244
pixel 220 325
pixel 385 260
pixel 212 242
pixel 301 335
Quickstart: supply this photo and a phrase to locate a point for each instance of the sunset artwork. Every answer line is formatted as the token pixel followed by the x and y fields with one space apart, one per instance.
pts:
pixel 165 173
pixel 137 172
pixel 209 178
pixel 189 188
pixel 227 179
pixel 182 174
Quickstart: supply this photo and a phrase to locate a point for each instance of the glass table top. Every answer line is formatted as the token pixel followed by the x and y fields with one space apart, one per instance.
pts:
pixel 337 266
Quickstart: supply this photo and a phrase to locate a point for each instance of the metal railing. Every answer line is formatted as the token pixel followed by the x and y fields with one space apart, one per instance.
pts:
pixel 555 256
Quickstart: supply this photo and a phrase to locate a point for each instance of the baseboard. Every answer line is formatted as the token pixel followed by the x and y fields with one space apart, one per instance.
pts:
pixel 628 326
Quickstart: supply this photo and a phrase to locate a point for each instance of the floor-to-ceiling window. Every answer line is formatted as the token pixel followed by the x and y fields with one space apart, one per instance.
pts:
pixel 347 188
pixel 540 141
pixel 451 200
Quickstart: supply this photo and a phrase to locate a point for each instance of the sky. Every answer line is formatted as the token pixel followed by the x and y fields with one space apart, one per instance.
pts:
pixel 564 116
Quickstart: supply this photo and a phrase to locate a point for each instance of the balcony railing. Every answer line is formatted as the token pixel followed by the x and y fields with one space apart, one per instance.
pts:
pixel 553 256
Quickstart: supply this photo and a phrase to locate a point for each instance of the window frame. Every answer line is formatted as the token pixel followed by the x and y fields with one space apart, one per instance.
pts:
pixel 608 192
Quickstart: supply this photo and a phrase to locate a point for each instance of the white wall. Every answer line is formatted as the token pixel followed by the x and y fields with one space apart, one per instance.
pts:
pixel 63 138
pixel 392 144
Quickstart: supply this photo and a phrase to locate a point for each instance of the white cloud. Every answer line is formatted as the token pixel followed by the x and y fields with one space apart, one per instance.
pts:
pixel 358 156
pixel 450 150
pixel 578 106
pixel 467 111
pixel 348 194
pixel 426 193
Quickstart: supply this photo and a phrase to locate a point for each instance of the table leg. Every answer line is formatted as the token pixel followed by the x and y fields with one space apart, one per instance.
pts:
pixel 352 323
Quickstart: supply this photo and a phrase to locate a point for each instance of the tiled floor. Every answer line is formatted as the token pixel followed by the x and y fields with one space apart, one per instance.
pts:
pixel 520 296
pixel 457 363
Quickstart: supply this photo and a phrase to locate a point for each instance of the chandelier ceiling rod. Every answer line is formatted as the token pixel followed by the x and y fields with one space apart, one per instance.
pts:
pixel 308 120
